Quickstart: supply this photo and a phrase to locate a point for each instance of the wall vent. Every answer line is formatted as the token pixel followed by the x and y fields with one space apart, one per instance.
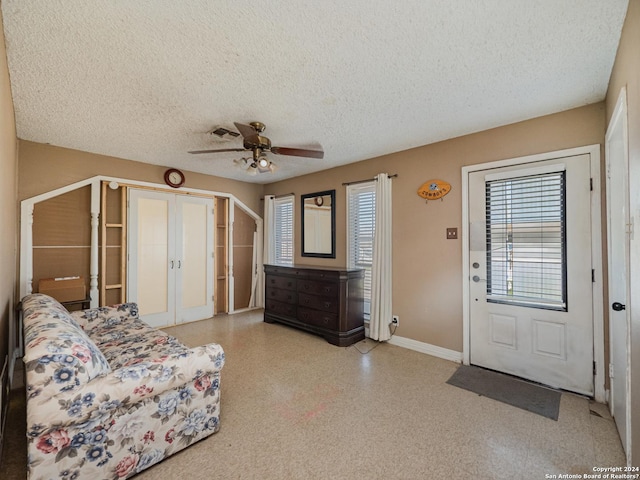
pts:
pixel 222 132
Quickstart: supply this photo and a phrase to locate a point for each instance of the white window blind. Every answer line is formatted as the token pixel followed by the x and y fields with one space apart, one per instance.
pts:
pixel 284 230
pixel 361 213
pixel 526 246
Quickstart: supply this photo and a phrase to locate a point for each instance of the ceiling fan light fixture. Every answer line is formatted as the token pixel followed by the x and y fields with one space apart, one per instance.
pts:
pixel 263 162
pixel 257 144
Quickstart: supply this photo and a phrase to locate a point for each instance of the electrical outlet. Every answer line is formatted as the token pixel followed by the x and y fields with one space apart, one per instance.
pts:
pixel 395 320
pixel 452 233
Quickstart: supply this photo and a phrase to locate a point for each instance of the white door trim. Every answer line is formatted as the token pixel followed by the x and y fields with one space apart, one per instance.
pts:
pixel 596 251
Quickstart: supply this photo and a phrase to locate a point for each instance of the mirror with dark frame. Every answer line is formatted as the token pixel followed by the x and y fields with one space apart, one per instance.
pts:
pixel 319 224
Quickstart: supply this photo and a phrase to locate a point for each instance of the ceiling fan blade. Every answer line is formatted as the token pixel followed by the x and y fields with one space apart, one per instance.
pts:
pixel 297 152
pixel 218 150
pixel 245 130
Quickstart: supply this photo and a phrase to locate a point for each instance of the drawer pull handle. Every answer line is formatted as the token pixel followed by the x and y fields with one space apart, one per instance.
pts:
pixel 327 304
pixel 327 289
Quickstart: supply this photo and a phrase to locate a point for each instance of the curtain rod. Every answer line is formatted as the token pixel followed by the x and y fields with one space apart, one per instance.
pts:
pixel 280 196
pixel 367 180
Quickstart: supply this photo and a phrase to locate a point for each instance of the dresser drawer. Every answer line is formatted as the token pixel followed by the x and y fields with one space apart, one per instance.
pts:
pixel 323 275
pixel 318 318
pixel 312 287
pixel 281 282
pixel 280 308
pixel 287 296
pixel 326 304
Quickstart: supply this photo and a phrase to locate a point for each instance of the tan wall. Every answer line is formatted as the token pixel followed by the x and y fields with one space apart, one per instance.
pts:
pixel 626 71
pixel 8 181
pixel 43 168
pixel 427 268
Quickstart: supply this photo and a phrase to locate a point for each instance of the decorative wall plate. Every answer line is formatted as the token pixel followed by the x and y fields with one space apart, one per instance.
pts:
pixel 434 189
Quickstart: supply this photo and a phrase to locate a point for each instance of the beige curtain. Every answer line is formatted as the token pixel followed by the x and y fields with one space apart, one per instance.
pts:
pixel 381 292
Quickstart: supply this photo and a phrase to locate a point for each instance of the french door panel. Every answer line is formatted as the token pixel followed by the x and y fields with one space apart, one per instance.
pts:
pixel 544 343
pixel 170 257
pixel 151 249
pixel 194 297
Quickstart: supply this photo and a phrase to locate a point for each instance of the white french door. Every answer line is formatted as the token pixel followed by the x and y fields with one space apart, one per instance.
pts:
pixel 170 261
pixel 530 273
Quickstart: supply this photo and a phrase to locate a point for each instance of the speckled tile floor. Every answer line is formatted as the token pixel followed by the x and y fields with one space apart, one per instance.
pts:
pixel 296 407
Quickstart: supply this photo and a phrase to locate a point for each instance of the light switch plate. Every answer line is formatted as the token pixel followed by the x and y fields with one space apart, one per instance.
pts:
pixel 452 233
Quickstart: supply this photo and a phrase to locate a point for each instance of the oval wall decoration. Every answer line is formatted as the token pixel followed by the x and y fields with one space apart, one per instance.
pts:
pixel 434 189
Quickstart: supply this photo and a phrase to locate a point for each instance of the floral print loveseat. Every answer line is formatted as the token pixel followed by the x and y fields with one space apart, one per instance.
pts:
pixel 108 395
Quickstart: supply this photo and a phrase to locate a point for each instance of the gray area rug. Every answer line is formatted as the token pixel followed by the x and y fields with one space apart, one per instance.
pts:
pixel 504 388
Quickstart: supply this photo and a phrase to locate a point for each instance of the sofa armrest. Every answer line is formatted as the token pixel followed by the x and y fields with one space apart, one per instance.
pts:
pixel 92 403
pixel 96 317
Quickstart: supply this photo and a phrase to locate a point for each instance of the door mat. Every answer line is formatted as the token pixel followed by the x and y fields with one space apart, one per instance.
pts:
pixel 504 388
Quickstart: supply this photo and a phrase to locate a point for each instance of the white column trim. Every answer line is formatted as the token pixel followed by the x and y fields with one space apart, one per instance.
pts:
pixel 95 223
pixel 26 248
pixel 230 276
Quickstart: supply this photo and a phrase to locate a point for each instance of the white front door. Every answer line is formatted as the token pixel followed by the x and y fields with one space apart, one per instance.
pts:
pixel 170 257
pixel 618 244
pixel 530 281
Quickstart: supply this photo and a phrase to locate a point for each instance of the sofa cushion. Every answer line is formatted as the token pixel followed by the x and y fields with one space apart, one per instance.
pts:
pixel 115 330
pixel 100 317
pixel 149 346
pixel 59 356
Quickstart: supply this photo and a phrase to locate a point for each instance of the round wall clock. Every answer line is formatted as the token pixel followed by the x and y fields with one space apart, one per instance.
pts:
pixel 174 178
pixel 434 189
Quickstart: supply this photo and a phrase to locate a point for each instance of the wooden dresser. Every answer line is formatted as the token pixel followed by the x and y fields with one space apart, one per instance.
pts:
pixel 327 302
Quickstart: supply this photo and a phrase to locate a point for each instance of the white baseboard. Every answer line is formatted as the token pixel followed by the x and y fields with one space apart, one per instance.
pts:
pixel 427 348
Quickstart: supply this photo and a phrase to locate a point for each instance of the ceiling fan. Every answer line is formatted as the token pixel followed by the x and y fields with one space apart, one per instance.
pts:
pixel 258 145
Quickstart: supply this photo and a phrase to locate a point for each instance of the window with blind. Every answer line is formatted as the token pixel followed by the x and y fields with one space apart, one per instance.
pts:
pixel 361 212
pixel 284 230
pixel 526 241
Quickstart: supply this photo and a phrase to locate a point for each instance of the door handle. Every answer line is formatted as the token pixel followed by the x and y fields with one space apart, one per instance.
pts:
pixel 171 264
pixel 477 279
pixel 618 307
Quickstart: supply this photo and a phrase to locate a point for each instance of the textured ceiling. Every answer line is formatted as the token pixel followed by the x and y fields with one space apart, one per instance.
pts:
pixel 146 80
